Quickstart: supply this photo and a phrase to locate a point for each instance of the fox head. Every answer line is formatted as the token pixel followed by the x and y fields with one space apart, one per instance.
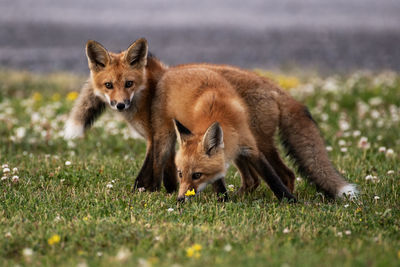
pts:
pixel 117 78
pixel 200 159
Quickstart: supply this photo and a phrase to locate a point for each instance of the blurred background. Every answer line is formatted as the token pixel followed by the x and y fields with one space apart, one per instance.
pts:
pixel 327 36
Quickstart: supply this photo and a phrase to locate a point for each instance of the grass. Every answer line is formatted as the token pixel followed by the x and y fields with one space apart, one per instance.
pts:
pixel 100 222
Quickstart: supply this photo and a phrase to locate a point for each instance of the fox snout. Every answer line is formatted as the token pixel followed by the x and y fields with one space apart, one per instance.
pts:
pixel 120 106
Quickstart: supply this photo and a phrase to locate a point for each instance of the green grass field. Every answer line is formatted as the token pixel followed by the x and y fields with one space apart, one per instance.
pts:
pixel 84 213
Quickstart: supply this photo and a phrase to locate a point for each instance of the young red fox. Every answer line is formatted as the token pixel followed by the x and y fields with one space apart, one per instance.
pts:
pixel 219 135
pixel 131 82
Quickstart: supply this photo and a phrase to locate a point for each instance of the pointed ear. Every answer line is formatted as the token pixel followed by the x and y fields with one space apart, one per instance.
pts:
pixel 213 139
pixel 181 131
pixel 97 55
pixel 136 54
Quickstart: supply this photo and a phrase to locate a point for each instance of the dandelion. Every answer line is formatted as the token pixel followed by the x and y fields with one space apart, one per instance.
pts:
pixel 109 186
pixel 190 193
pixel 56 97
pixel 170 210
pixel 15 179
pixel 194 251
pixel 68 163
pixel 37 97
pixel 286 230
pixel 54 239
pixel 390 172
pixel 27 252
pixel 347 232
pixel 72 96
pixel 376 198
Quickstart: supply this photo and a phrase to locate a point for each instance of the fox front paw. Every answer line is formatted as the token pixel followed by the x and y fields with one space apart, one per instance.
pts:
pixel 73 130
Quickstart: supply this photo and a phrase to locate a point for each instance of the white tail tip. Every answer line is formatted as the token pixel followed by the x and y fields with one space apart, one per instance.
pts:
pixel 349 191
pixel 73 130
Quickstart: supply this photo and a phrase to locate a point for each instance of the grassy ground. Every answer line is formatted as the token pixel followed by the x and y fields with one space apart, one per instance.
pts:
pixel 84 213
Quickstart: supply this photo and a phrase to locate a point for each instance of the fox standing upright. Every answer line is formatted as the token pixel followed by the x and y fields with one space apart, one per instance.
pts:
pixel 130 81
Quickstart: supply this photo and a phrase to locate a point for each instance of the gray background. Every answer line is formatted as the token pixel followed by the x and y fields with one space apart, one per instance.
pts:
pixel 336 35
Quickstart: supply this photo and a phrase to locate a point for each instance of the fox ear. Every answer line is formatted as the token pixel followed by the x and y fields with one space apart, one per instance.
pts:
pixel 181 131
pixel 97 55
pixel 213 139
pixel 136 54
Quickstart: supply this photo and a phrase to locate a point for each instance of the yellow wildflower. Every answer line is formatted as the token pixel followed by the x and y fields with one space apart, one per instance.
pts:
pixel 37 96
pixel 190 193
pixel 72 96
pixel 54 239
pixel 288 82
pixel 194 251
pixel 56 97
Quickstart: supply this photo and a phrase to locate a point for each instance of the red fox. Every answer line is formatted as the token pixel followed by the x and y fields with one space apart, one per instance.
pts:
pixel 131 82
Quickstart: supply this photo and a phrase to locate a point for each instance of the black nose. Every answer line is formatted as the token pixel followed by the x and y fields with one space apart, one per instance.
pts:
pixel 120 106
pixel 181 199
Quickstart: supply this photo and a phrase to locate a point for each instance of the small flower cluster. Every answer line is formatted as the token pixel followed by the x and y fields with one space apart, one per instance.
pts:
pixel 9 175
pixel 194 251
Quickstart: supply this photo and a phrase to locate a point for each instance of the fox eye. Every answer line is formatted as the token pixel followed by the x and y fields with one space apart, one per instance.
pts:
pixel 128 84
pixel 196 175
pixel 109 85
pixel 180 174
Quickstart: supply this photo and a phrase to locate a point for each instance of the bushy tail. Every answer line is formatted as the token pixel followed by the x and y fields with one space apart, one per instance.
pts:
pixel 302 139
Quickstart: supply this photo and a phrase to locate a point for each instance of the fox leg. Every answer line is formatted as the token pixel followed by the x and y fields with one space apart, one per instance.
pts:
pixel 287 175
pixel 169 178
pixel 145 176
pixel 163 151
pixel 87 108
pixel 220 188
pixel 248 175
pixel 258 161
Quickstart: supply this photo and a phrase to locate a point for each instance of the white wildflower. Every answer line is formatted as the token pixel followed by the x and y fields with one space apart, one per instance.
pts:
pixel 6 170
pixel 15 170
pixel 109 186
pixel 343 149
pixel 286 230
pixel 15 179
pixel 329 148
pixel 342 142
pixel 356 133
pixel 339 234
pixel 390 172
pixel 4 178
pixel 68 163
pixel 376 198
pixel 123 254
pixel 27 252
pixel 382 149
pixel 4 166
pixel 170 210
pixel 363 143
pixel 228 247
pixel 347 232
pixel 389 152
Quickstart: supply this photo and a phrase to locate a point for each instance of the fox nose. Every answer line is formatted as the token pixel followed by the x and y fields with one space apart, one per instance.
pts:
pixel 181 199
pixel 120 106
